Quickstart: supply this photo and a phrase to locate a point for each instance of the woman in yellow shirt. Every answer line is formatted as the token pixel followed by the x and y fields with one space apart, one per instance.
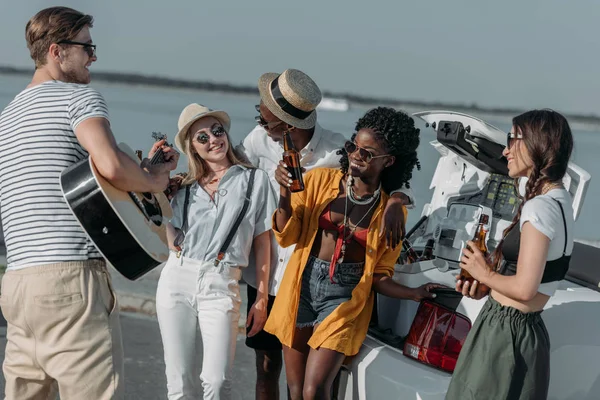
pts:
pixel 322 312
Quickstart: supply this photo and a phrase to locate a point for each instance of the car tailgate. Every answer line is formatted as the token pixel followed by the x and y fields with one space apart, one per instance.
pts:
pixel 383 372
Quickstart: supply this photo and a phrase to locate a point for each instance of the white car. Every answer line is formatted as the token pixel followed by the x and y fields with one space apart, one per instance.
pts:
pixel 471 178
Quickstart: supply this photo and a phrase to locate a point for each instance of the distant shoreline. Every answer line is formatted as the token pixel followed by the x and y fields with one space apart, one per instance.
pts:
pixel 587 122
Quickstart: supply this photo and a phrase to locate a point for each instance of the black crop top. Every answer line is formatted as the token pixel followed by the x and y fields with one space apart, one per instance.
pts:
pixel 554 270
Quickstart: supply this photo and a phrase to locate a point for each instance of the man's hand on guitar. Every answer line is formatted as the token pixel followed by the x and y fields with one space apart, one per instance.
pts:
pixel 171 156
pixel 161 171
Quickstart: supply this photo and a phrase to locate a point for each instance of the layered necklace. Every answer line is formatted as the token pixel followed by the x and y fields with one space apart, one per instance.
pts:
pixel 357 201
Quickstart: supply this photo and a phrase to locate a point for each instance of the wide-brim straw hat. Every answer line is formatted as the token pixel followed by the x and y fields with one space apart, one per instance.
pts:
pixel 193 113
pixel 291 96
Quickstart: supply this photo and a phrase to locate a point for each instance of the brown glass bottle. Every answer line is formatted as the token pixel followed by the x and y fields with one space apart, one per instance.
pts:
pixel 410 255
pixel 291 158
pixel 479 239
pixel 427 251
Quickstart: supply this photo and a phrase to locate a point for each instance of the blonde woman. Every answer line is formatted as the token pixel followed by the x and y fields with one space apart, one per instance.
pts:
pixel 211 234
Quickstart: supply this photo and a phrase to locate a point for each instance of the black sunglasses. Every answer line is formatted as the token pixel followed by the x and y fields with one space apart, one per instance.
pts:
pixel 216 131
pixel 364 154
pixel 90 49
pixel 510 137
pixel 262 122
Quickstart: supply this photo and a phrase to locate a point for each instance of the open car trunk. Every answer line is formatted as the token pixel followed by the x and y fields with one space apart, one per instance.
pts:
pixel 470 180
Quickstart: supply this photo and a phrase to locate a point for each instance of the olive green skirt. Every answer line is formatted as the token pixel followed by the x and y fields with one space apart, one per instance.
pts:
pixel 506 356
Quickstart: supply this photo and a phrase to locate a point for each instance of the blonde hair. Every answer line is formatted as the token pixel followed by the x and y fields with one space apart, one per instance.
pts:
pixel 197 168
pixel 52 25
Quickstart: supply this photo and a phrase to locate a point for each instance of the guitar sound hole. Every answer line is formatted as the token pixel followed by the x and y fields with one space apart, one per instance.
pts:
pixel 149 206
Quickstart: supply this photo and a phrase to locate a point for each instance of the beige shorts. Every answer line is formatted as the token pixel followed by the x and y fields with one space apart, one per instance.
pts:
pixel 63 332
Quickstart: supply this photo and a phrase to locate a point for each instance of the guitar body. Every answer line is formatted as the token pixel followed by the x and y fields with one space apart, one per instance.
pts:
pixel 128 228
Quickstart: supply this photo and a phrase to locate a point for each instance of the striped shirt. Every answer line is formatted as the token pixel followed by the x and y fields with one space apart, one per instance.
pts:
pixel 37 142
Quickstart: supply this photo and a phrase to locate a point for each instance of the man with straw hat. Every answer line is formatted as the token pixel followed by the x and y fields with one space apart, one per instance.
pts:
pixel 288 102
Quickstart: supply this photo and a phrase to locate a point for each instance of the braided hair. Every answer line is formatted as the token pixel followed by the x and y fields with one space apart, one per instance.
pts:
pixel 549 143
pixel 397 131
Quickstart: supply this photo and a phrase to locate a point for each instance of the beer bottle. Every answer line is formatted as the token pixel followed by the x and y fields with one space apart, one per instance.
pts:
pixel 291 158
pixel 410 255
pixel 479 240
pixel 428 251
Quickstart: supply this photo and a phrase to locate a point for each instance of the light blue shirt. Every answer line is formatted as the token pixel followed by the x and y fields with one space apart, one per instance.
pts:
pixel 209 222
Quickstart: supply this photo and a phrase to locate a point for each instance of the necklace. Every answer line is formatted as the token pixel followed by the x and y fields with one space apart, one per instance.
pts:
pixel 549 186
pixel 216 179
pixel 209 186
pixel 357 199
pixel 346 238
pixel 222 169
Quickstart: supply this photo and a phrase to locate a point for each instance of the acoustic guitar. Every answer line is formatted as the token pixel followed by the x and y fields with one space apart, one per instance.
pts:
pixel 127 228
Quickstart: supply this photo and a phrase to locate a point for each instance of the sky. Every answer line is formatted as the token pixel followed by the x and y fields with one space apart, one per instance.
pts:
pixel 510 53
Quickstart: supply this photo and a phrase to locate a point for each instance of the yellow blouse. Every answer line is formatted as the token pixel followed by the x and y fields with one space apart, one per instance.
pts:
pixel 346 327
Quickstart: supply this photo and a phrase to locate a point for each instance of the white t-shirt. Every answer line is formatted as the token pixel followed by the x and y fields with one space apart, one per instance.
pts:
pixel 545 215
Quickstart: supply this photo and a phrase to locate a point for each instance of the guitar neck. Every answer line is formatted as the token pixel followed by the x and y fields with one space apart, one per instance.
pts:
pixel 158 157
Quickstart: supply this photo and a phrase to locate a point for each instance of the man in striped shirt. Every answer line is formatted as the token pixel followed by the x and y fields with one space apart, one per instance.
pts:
pixel 63 326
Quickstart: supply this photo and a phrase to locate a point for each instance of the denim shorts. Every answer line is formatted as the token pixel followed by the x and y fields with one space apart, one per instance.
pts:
pixel 319 296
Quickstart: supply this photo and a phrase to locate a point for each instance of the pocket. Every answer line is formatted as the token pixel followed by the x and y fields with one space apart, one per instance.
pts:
pixel 107 293
pixel 214 284
pixel 8 299
pixel 58 300
pixel 349 277
pixel 3 293
pixel 348 280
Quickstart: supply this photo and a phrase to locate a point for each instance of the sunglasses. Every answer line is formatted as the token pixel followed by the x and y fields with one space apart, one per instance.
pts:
pixel 510 137
pixel 90 49
pixel 261 121
pixel 364 154
pixel 216 131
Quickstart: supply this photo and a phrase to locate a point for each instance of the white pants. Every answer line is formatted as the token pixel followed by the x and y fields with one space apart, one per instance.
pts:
pixel 191 294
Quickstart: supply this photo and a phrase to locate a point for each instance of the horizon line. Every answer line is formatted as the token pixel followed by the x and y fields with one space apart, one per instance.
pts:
pixel 211 86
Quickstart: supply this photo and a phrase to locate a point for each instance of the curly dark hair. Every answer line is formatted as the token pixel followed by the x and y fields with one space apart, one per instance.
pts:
pixel 397 131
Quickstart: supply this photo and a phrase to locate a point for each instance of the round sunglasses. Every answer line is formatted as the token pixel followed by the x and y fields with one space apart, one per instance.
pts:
pixel 216 131
pixel 364 154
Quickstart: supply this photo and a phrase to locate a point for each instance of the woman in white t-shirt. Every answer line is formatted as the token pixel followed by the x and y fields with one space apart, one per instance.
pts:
pixel 507 352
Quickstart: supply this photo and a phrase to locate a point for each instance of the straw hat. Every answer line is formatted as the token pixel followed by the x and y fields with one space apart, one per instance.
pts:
pixel 193 113
pixel 291 96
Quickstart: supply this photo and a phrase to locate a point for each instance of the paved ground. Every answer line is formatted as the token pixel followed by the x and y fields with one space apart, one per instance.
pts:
pixel 144 365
